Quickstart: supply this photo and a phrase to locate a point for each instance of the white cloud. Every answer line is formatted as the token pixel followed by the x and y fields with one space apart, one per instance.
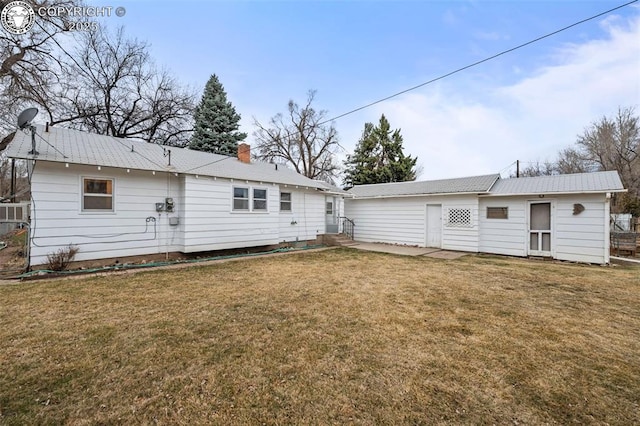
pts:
pixel 458 134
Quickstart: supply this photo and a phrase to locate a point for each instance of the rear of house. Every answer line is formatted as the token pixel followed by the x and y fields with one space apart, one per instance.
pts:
pixel 564 217
pixel 115 198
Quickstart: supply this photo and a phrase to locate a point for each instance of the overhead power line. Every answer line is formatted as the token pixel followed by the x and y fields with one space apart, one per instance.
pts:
pixel 504 52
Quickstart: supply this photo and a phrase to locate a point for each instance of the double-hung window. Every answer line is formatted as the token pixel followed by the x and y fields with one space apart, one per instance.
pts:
pixel 249 199
pixel 240 198
pixel 259 199
pixel 285 201
pixel 97 195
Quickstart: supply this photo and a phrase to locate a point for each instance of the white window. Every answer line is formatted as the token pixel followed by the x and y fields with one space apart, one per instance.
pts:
pixel 285 201
pixel 329 207
pixel 459 218
pixel 249 199
pixel 497 212
pixel 240 198
pixel 97 195
pixel 259 199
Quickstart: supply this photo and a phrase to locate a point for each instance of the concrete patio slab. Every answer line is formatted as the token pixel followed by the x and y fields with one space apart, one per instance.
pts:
pixel 393 249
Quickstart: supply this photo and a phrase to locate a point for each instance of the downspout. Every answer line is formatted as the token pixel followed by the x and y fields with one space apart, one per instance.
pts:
pixel 607 228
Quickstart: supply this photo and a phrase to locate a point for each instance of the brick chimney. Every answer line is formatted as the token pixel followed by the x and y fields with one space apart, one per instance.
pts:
pixel 244 153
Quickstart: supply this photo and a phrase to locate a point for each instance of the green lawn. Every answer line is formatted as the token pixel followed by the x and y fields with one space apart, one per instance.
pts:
pixel 331 337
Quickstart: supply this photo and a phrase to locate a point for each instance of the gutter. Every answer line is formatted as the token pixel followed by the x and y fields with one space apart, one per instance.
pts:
pixel 529 194
pixel 373 197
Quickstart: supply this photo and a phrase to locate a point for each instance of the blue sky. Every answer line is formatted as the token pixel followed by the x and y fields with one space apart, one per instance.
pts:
pixel 524 105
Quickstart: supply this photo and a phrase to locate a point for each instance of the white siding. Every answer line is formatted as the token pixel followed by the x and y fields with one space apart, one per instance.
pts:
pixel 402 220
pixel 211 224
pixel 582 237
pixel 504 236
pixel 57 219
pixel 305 220
pixel 203 206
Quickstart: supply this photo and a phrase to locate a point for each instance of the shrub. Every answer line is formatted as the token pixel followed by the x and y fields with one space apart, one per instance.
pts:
pixel 60 259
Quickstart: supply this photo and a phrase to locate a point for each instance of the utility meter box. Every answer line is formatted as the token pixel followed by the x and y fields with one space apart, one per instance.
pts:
pixel 174 221
pixel 169 204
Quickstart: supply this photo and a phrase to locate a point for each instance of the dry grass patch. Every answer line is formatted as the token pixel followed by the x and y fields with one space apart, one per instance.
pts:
pixel 333 337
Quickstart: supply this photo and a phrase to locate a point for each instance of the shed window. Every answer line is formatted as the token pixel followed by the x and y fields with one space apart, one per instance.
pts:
pixel 497 212
pixel 97 194
pixel 240 198
pixel 285 201
pixel 259 199
pixel 459 218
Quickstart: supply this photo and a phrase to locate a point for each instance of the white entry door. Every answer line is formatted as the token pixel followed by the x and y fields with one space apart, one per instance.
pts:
pixel 434 225
pixel 540 229
pixel 331 215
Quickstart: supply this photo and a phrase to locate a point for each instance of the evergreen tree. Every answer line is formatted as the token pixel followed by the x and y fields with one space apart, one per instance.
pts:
pixel 216 122
pixel 379 157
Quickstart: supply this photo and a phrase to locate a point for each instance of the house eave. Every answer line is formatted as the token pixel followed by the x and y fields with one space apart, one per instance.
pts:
pixel 167 169
pixel 537 194
pixel 439 194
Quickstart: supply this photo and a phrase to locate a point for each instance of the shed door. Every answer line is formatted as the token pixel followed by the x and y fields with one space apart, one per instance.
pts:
pixel 434 225
pixel 540 229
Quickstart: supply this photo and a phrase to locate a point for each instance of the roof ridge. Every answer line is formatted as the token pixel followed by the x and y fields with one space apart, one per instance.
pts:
pixel 427 181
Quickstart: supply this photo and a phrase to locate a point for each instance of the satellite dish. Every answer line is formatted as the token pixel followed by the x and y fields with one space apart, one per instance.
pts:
pixel 26 116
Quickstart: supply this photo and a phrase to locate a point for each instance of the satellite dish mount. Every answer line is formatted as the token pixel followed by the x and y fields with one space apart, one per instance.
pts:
pixel 24 122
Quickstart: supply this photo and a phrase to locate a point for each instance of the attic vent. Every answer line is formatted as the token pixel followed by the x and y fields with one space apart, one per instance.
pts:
pixel 458 218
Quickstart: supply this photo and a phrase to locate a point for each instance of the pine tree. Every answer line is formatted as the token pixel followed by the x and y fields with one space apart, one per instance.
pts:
pixel 216 122
pixel 379 157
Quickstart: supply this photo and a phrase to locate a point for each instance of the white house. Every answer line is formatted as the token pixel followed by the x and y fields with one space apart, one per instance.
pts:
pixel 565 217
pixel 115 197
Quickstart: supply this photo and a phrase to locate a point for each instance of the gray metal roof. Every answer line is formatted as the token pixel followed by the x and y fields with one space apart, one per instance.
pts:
pixel 576 183
pixel 472 184
pixel 77 147
pixel 332 188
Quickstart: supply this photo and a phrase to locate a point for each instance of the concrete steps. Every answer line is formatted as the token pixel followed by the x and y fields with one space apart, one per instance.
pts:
pixel 338 240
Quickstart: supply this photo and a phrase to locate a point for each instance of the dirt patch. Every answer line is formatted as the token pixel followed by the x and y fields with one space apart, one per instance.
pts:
pixel 13 252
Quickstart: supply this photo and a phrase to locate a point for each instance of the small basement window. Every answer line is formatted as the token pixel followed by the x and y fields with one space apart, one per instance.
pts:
pixel 259 199
pixel 285 201
pixel 97 195
pixel 240 198
pixel 497 212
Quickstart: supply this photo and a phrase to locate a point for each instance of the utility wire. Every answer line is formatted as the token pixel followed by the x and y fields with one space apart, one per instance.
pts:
pixel 504 52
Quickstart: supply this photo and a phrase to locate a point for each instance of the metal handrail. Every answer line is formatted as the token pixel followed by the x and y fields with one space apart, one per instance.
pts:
pixel 348 226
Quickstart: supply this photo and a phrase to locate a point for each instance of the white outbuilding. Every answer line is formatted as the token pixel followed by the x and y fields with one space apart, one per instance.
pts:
pixel 564 217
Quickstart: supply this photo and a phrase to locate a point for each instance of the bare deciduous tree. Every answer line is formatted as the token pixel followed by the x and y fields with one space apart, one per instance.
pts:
pixel 614 144
pixel 29 64
pixel 116 90
pixel 301 139
pixel 570 160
